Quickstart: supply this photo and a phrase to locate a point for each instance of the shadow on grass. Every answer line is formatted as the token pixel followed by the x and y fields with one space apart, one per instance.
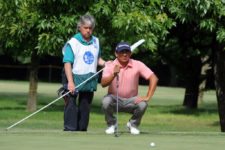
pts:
pixel 95 108
pixel 181 110
pixel 12 108
pixel 18 101
pixel 196 112
pixel 56 107
pixel 216 123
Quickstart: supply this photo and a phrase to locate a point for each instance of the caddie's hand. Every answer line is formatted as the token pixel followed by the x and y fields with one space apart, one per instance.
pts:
pixel 140 99
pixel 71 87
pixel 116 69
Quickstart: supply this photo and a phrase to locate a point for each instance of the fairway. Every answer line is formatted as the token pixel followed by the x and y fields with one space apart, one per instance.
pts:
pixel 166 123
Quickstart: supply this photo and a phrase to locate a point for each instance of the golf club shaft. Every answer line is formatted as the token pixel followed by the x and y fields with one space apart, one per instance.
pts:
pixel 37 111
pixel 52 102
pixel 117 104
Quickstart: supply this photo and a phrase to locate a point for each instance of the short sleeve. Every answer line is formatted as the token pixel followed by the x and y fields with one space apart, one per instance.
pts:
pixel 68 54
pixel 144 71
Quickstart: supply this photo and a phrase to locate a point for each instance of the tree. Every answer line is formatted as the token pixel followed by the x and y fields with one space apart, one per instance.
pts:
pixel 32 28
pixel 184 48
pixel 208 18
pixel 130 21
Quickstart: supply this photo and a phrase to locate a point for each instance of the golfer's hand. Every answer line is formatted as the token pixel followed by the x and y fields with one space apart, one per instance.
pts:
pixel 140 99
pixel 71 87
pixel 116 70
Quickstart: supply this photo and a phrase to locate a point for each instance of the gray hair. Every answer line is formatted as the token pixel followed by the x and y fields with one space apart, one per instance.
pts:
pixel 86 19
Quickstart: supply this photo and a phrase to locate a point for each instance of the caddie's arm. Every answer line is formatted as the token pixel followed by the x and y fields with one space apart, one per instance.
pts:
pixel 69 76
pixel 101 62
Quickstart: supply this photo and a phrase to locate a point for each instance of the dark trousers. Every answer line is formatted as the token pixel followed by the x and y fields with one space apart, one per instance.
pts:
pixel 76 115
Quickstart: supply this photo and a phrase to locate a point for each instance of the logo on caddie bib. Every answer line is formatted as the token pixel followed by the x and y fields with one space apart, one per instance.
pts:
pixel 88 57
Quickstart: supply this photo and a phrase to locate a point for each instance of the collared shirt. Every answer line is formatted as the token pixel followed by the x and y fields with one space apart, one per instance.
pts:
pixel 128 77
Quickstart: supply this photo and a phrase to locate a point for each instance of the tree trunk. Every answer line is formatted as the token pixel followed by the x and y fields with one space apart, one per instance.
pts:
pixel 191 94
pixel 203 77
pixel 192 83
pixel 220 85
pixel 173 76
pixel 33 78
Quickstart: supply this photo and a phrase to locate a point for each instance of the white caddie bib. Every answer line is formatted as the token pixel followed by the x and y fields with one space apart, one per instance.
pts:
pixel 85 56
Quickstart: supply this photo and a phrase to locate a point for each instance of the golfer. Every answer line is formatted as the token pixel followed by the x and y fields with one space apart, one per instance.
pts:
pixel 126 72
pixel 81 57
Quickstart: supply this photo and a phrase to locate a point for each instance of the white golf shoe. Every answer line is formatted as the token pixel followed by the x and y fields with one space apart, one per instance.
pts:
pixel 133 130
pixel 110 129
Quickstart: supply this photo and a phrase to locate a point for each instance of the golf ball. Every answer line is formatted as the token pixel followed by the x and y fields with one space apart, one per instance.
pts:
pixel 152 144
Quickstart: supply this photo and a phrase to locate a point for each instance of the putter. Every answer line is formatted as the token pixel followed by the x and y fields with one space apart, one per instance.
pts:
pixel 134 46
pixel 117 105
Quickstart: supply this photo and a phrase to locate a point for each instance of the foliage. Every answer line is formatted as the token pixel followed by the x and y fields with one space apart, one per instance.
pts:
pixel 199 25
pixel 208 15
pixel 130 21
pixel 37 24
pixel 45 25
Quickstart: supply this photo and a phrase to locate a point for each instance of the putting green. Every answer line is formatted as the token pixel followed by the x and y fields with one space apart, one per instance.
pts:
pixel 58 140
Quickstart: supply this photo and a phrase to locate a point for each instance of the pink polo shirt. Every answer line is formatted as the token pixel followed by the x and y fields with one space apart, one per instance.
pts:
pixel 128 77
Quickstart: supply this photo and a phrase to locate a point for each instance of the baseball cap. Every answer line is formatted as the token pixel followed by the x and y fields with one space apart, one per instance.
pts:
pixel 122 46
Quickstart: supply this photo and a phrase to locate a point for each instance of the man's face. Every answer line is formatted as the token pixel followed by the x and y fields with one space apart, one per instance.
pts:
pixel 86 31
pixel 123 56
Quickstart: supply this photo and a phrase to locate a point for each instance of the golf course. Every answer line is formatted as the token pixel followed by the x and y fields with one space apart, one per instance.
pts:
pixel 166 123
pixel 170 52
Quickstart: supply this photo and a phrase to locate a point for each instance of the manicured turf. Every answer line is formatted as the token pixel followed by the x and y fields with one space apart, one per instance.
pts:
pixel 166 123
pixel 26 140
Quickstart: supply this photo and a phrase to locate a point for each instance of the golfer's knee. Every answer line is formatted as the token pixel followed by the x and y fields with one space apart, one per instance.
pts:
pixel 142 106
pixel 106 102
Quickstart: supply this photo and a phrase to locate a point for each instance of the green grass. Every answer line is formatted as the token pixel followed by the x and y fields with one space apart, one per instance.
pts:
pixel 166 122
pixel 98 141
